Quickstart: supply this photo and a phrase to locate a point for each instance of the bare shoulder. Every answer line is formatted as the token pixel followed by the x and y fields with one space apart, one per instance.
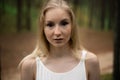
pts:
pixel 28 68
pixel 92 62
pixel 28 63
pixel 92 66
pixel 91 58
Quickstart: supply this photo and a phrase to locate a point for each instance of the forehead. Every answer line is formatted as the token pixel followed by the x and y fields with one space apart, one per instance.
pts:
pixel 57 14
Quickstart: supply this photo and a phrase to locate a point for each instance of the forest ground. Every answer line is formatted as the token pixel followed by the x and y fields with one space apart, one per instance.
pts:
pixel 14 47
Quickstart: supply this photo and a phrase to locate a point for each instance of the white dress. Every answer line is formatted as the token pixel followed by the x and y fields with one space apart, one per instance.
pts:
pixel 77 73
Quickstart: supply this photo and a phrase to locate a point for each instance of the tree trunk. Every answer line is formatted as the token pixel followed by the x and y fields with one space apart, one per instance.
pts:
pixel 0 61
pixel 116 70
pixel 91 8
pixel 2 11
pixel 19 15
pixel 75 3
pixel 111 14
pixel 103 8
pixel 28 15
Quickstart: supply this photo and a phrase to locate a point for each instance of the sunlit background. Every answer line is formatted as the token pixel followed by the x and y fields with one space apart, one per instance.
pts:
pixel 18 27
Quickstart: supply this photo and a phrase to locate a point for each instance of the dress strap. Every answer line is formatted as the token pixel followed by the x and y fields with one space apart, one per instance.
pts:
pixel 37 68
pixel 37 59
pixel 84 52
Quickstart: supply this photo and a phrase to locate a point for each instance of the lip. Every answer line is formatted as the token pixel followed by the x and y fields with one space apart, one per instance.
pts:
pixel 59 40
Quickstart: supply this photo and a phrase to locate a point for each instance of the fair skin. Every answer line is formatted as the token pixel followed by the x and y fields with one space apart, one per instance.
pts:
pixel 57 30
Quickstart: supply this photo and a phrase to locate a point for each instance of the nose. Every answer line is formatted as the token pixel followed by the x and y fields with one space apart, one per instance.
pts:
pixel 57 31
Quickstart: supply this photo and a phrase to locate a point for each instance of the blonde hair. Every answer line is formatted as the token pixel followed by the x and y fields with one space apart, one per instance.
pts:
pixel 42 47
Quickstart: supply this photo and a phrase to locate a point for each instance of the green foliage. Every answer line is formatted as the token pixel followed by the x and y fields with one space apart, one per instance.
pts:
pixel 9 19
pixel 106 77
pixel 82 16
pixel 8 23
pixel 10 9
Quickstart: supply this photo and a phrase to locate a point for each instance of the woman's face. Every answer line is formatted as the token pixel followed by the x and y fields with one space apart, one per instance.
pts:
pixel 57 27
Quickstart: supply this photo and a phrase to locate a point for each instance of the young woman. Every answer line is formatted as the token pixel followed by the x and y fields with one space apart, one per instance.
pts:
pixel 58 55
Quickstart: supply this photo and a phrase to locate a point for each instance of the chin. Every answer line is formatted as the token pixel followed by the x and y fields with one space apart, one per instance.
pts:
pixel 58 45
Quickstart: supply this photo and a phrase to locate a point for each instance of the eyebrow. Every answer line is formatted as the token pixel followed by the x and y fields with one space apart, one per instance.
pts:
pixel 64 19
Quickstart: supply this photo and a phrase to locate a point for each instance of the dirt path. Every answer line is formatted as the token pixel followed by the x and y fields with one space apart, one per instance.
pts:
pixel 14 47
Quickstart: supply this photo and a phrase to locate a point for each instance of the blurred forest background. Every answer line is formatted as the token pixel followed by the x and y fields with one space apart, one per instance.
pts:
pixel 21 15
pixel 97 20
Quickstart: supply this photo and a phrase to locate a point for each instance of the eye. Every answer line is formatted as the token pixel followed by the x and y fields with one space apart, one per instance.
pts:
pixel 64 23
pixel 50 24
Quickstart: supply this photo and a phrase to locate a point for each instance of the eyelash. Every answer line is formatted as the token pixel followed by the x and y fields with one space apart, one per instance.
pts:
pixel 62 23
pixel 50 24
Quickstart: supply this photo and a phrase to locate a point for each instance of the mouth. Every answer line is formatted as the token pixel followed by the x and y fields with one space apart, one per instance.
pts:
pixel 59 40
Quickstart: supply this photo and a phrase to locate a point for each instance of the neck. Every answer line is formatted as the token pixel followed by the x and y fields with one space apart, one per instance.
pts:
pixel 60 51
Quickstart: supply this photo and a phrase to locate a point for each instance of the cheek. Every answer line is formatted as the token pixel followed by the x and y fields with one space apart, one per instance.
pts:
pixel 69 31
pixel 47 33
